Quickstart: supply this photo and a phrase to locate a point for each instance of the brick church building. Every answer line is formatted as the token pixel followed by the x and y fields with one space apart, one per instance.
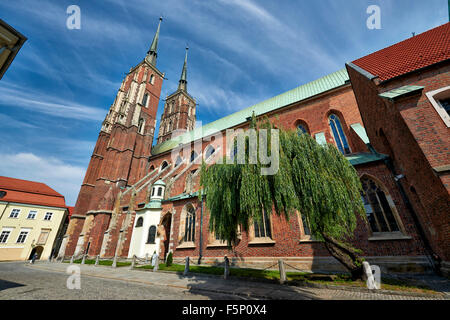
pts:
pixel 388 113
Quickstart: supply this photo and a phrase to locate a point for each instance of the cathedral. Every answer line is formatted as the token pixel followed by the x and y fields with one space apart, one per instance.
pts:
pixel 138 198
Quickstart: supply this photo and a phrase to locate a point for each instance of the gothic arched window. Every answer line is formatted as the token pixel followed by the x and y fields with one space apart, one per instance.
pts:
pixel 194 155
pixel 338 134
pixel 141 126
pixel 178 161
pixel 152 79
pixel 139 222
pixel 160 189
pixel 151 235
pixel 262 227
pixel 209 151
pixel 379 207
pixel 144 99
pixel 189 227
pixel 301 129
pixel 164 165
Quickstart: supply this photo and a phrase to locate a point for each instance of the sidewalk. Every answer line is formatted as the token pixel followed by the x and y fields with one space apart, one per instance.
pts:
pixel 248 289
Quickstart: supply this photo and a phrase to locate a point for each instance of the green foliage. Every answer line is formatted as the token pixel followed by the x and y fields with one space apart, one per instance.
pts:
pixel 316 180
pixel 169 259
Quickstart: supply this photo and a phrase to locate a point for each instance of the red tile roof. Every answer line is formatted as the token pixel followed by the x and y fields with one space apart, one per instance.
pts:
pixel 30 192
pixel 417 52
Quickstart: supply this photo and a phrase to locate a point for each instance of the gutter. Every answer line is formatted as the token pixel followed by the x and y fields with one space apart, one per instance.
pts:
pixel 201 228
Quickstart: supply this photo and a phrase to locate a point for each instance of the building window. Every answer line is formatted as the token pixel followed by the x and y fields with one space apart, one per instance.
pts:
pixel 139 222
pixel 209 151
pixel 141 126
pixel 194 155
pixel 380 214
pixel 445 103
pixel 152 79
pixel 48 216
pixel 153 191
pixel 306 228
pixel 145 99
pixel 189 227
pixel 4 236
pixel 301 129
pixel 262 227
pixel 178 161
pixel 151 235
pixel 440 100
pixel 22 237
pixel 164 165
pixel 338 134
pixel 14 213
pixel 32 214
pixel 43 237
pixel 160 191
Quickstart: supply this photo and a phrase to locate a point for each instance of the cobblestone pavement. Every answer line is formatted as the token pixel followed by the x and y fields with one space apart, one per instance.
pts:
pixel 18 281
pixel 48 281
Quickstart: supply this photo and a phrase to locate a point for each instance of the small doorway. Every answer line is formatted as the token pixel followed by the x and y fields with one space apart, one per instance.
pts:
pixel 167 220
pixel 37 250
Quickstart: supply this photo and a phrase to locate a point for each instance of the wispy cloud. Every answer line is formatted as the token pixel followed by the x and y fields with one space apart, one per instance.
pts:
pixel 51 105
pixel 64 178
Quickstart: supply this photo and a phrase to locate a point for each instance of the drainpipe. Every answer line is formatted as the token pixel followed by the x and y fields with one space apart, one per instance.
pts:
pixel 6 206
pixel 201 227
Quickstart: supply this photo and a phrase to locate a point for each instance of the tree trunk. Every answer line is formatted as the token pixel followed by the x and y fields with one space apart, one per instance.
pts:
pixel 345 255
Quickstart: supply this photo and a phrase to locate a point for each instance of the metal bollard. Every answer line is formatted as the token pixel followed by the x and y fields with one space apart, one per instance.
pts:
pixel 83 261
pixel 156 267
pixel 282 271
pixel 114 264
pixel 71 259
pixel 97 259
pixel 146 258
pixel 186 267
pixel 133 262
pixel 226 272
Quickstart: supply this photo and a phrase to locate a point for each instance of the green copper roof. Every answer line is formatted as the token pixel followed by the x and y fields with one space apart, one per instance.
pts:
pixel 183 196
pixel 153 204
pixel 152 52
pixel 183 77
pixel 361 158
pixel 311 89
pixel 401 92
pixel 159 183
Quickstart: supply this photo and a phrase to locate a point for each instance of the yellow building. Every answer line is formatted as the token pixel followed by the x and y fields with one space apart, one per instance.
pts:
pixel 32 216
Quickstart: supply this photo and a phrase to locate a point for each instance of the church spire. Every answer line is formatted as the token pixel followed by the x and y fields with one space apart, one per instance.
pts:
pixel 183 79
pixel 152 52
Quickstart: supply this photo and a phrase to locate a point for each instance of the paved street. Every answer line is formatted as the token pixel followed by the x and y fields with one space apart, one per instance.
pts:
pixel 20 280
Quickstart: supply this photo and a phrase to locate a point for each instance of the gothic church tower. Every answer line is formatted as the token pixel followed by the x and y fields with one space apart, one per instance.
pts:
pixel 179 110
pixel 120 156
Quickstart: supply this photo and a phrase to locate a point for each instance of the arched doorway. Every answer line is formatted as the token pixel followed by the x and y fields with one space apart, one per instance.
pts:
pixel 166 223
pixel 37 250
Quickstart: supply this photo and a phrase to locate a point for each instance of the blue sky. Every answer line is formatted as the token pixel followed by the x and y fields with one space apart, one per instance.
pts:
pixel 56 93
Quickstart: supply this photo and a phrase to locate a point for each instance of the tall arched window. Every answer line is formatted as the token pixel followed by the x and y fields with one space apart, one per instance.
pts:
pixel 151 235
pixel 209 151
pixel 164 165
pixel 145 99
pixel 141 125
pixel 178 161
pixel 189 227
pixel 262 227
pixel 139 222
pixel 194 155
pixel 152 79
pixel 338 134
pixel 301 129
pixel 379 207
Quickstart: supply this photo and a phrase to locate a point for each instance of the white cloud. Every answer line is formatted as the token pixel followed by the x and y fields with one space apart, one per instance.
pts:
pixel 62 177
pixel 11 95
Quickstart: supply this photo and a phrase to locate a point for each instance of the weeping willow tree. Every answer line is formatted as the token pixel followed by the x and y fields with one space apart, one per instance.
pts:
pixel 315 180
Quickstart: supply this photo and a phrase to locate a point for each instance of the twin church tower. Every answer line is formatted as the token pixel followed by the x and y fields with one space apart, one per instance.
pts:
pixel 122 153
